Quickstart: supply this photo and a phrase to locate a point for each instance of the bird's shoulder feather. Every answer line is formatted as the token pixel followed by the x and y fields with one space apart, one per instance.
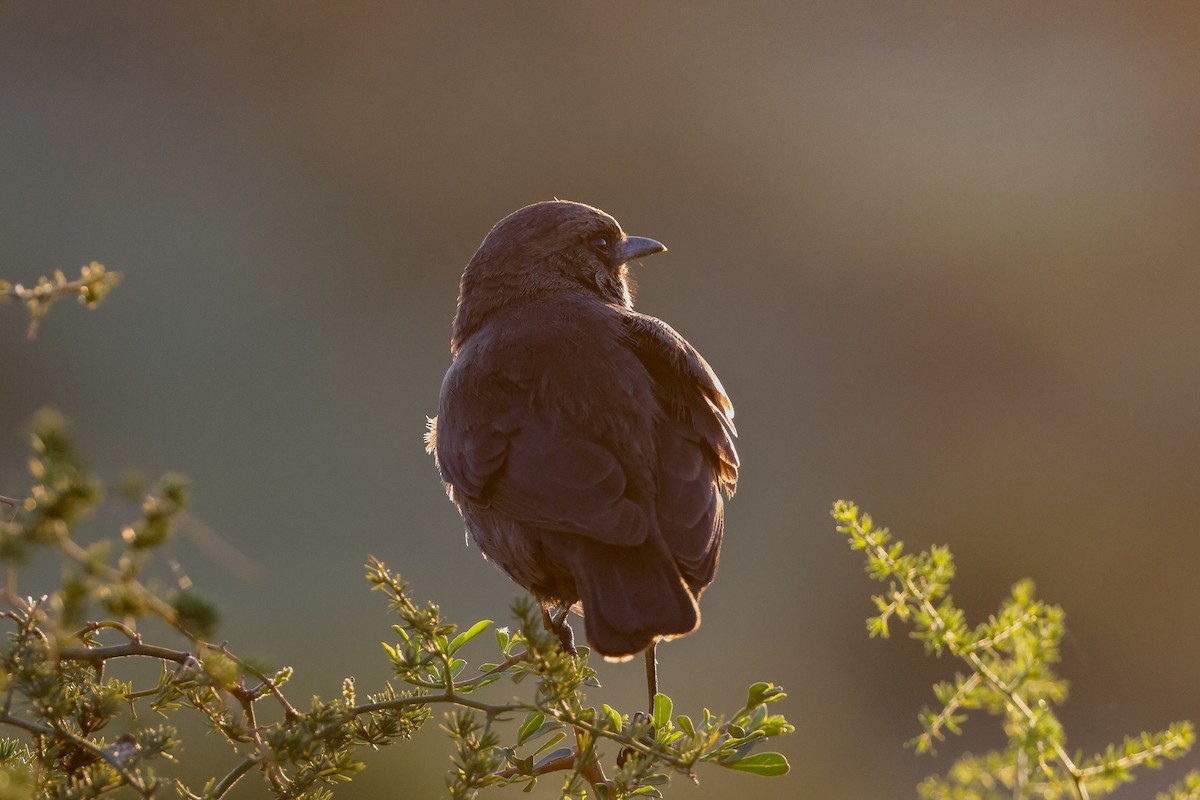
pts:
pixel 690 389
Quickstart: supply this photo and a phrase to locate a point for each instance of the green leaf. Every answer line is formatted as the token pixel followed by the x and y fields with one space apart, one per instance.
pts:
pixel 533 721
pixel 614 717
pixel 662 711
pixel 757 718
pixel 767 764
pixel 553 740
pixel 468 635
pixel 685 724
pixel 757 693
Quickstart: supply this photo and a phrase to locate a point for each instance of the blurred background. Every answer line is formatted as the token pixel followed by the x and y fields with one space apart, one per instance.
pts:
pixel 943 256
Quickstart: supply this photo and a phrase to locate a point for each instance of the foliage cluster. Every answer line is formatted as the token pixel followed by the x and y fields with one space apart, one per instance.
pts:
pixel 61 660
pixel 1009 672
pixel 83 736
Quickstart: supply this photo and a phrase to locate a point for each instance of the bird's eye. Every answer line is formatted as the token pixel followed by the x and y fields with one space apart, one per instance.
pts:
pixel 600 243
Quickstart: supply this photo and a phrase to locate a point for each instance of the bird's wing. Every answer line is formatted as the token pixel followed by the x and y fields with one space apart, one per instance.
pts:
pixel 696 457
pixel 497 451
pixel 690 510
pixel 690 390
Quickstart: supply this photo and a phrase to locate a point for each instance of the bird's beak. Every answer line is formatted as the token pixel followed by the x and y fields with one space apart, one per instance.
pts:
pixel 638 247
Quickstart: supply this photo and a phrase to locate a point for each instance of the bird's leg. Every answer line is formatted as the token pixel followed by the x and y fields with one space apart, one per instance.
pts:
pixel 556 622
pixel 651 690
pixel 651 674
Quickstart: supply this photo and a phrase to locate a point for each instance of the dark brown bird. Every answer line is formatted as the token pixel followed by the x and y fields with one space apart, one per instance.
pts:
pixel 586 445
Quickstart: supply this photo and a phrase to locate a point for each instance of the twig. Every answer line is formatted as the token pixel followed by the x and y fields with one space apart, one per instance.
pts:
pixel 424 700
pixel 271 769
pixel 626 741
pixel 289 711
pixel 233 776
pixel 952 705
pixel 92 627
pixel 496 670
pixel 96 655
pixel 93 283
pixel 14 504
pixel 1128 762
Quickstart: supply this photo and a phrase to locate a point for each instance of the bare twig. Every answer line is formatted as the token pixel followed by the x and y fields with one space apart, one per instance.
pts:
pixel 233 776
pixel 92 627
pixel 14 504
pixel 96 655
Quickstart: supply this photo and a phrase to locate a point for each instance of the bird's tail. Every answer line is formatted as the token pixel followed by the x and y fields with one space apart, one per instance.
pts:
pixel 632 596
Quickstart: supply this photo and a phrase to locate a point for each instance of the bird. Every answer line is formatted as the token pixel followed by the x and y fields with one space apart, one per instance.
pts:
pixel 588 447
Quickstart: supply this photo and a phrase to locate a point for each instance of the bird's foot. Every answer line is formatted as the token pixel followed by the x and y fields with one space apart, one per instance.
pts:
pixel 556 622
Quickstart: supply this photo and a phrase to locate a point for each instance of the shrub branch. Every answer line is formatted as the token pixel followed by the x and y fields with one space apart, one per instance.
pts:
pixel 1010 673
pixel 62 684
pixel 92 286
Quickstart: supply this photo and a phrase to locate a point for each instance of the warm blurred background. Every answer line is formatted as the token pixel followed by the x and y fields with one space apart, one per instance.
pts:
pixel 943 256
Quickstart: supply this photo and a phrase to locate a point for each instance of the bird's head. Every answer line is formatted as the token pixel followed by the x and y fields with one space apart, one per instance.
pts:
pixel 544 249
